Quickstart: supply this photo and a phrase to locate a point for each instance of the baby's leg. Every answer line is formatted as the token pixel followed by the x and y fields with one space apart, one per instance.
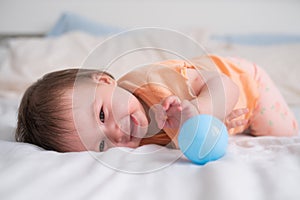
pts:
pixel 272 115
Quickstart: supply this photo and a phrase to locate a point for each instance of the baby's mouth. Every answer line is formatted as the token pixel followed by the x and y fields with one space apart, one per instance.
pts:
pixel 133 127
pixel 137 131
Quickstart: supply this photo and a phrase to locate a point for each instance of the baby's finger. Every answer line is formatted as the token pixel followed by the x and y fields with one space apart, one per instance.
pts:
pixel 236 123
pixel 171 101
pixel 236 113
pixel 160 120
pixel 160 115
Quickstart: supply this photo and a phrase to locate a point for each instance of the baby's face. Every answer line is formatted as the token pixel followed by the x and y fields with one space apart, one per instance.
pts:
pixel 106 116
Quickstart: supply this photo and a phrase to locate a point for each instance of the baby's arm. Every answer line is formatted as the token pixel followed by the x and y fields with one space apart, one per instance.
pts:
pixel 216 94
pixel 172 113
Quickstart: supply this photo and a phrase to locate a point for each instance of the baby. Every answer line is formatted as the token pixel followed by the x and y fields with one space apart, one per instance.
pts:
pixel 82 109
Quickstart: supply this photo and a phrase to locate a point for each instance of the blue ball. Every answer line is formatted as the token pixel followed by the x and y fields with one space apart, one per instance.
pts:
pixel 203 138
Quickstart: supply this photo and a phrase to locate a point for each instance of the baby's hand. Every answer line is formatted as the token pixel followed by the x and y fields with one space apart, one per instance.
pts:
pixel 231 120
pixel 174 112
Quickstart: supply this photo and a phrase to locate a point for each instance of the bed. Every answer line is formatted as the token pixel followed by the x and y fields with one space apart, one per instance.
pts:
pixel 252 168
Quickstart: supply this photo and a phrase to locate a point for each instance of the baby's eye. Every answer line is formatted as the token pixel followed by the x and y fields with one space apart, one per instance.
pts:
pixel 102 115
pixel 101 146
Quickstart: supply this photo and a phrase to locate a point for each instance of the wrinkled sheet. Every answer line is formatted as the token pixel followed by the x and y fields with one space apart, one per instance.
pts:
pixel 253 168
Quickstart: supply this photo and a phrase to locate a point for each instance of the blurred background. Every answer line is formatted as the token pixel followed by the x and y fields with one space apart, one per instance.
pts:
pixel 61 33
pixel 231 16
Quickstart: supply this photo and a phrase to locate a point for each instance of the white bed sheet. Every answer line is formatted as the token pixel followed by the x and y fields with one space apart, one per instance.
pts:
pixel 253 167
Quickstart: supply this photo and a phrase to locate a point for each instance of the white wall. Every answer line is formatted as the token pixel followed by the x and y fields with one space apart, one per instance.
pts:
pixel 37 16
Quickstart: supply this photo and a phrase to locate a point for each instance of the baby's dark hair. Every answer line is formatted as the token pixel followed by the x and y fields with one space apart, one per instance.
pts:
pixel 42 112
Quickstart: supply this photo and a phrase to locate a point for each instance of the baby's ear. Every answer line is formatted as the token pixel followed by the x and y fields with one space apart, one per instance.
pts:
pixel 103 78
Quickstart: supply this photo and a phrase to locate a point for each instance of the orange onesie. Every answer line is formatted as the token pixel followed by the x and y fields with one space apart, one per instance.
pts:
pixel 152 83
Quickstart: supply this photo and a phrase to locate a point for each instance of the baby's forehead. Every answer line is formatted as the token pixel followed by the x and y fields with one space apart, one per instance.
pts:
pixel 83 92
